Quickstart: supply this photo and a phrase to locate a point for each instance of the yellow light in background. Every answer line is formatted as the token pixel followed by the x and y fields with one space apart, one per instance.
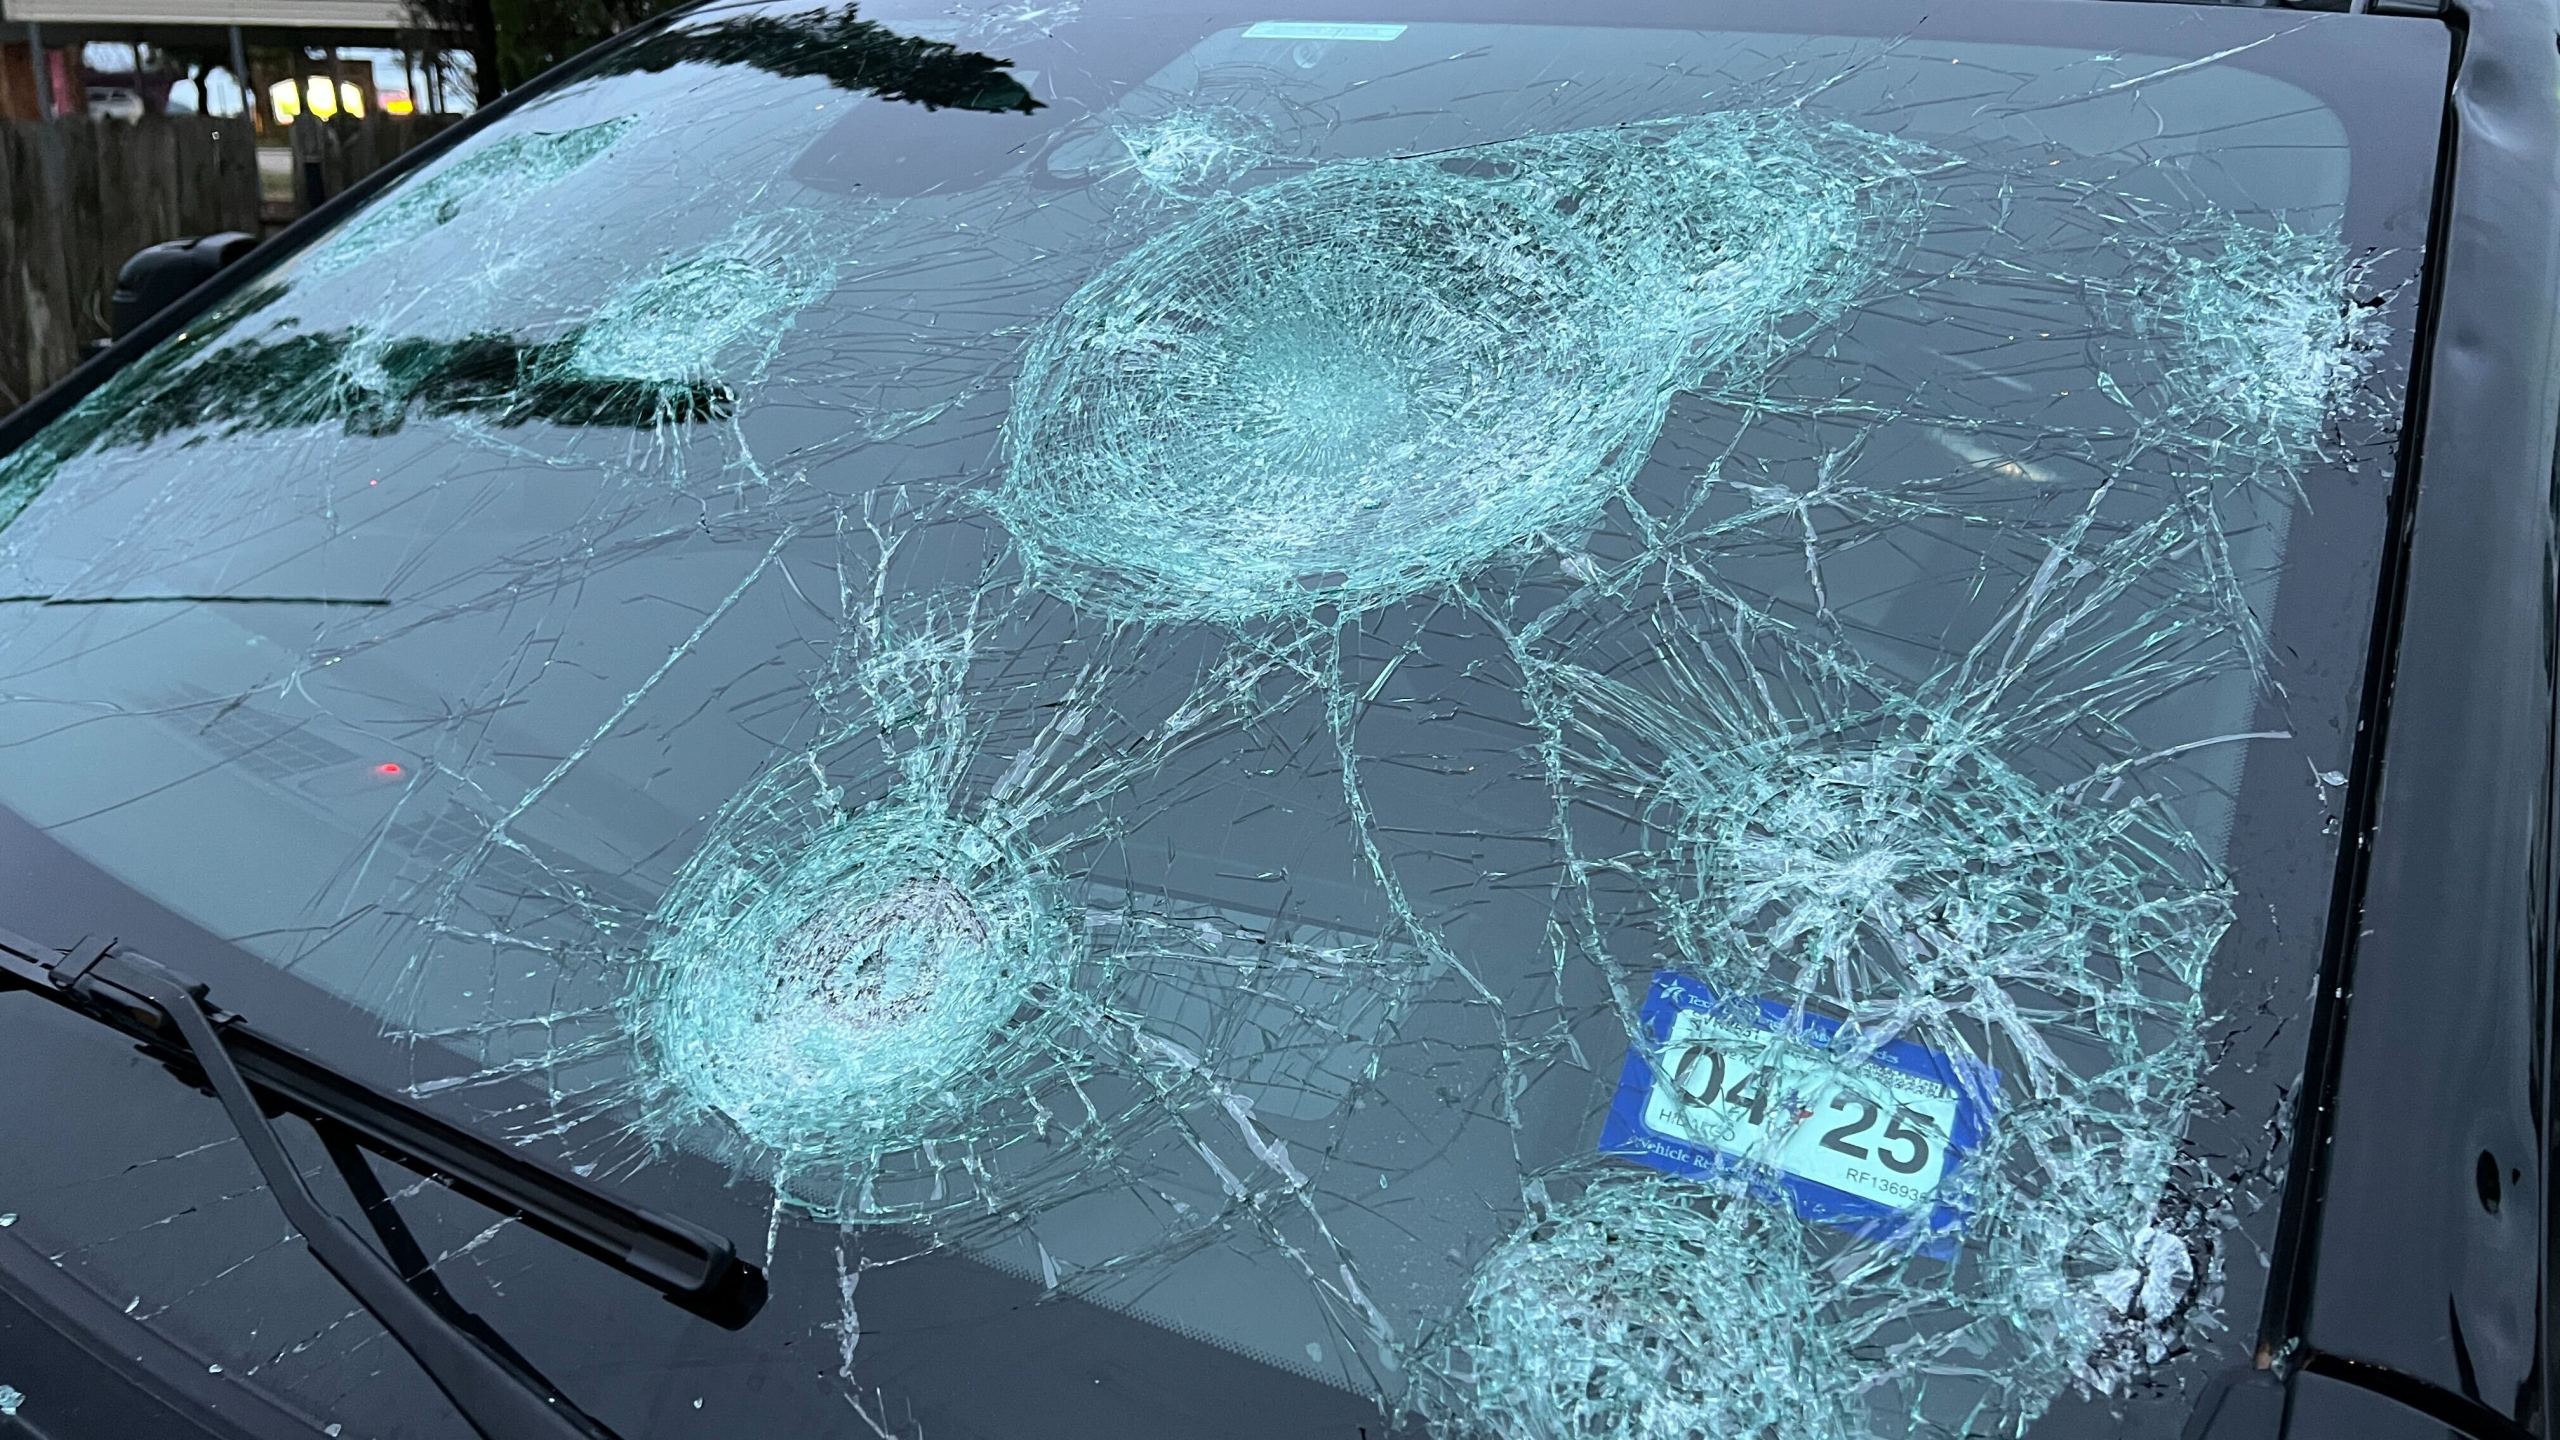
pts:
pixel 320 97
pixel 395 102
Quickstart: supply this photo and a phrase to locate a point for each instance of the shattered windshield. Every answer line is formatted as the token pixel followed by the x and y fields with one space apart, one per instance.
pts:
pixel 1580 728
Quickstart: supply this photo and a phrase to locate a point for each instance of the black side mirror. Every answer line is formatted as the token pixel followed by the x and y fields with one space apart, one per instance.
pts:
pixel 161 273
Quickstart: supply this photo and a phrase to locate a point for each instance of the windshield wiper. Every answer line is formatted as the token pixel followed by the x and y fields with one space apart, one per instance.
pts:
pixel 496 1389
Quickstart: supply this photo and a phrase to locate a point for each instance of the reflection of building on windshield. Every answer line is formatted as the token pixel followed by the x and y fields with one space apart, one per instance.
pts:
pixel 671 347
pixel 373 385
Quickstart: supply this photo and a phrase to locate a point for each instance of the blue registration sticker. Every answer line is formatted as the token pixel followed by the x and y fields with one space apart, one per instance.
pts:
pixel 1738 1086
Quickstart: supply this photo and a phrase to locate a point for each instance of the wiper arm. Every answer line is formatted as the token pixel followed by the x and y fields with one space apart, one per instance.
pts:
pixel 252 1074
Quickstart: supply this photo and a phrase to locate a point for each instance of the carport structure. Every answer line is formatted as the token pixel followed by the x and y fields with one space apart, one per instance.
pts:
pixel 40 42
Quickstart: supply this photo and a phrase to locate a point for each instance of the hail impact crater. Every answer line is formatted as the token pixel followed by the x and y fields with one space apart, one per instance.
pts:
pixel 837 1006
pixel 1372 379
pixel 1644 1307
pixel 1927 878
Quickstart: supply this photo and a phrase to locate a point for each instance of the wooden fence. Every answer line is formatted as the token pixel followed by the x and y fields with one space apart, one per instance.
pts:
pixel 78 196
pixel 334 154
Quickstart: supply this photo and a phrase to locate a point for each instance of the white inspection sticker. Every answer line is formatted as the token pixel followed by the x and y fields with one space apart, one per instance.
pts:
pixel 1742 1085
pixel 1319 30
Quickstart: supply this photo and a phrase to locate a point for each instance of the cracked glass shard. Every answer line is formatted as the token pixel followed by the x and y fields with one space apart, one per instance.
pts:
pixel 1628 1304
pixel 2276 332
pixel 845 990
pixel 687 325
pixel 1640 1306
pixel 1913 889
pixel 898 1009
pixel 1355 385
pixel 1916 883
pixel 1196 151
pixel 1867 860
pixel 489 182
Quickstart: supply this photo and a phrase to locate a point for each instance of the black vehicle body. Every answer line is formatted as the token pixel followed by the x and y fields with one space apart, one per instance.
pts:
pixel 2410 1287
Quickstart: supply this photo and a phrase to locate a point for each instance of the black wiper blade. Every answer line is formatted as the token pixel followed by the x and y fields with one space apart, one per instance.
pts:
pixel 253 1074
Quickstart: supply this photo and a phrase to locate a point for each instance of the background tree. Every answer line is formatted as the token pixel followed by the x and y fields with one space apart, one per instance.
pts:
pixel 514 40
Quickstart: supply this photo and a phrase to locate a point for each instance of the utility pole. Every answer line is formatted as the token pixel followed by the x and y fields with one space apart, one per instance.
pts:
pixel 484 51
pixel 43 69
pixel 249 102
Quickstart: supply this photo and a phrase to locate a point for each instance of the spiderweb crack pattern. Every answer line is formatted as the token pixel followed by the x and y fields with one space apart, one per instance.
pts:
pixel 1810 832
pixel 844 991
pixel 1917 883
pixel 1641 1306
pixel 911 1008
pixel 718 313
pixel 1368 380
pixel 2277 331
pixel 912 979
pixel 2088 1005
pixel 490 179
pixel 1196 151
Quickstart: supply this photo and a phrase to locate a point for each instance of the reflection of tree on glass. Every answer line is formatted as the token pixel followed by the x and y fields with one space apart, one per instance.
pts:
pixel 373 386
pixel 849 52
